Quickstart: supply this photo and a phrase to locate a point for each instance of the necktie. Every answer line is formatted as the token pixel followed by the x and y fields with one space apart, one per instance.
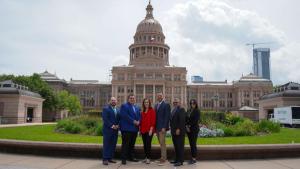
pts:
pixel 115 111
pixel 133 109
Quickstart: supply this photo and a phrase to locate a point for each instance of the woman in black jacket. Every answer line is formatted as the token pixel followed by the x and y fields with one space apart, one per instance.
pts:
pixel 192 128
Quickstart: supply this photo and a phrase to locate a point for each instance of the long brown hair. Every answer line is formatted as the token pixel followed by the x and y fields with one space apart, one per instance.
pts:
pixel 143 105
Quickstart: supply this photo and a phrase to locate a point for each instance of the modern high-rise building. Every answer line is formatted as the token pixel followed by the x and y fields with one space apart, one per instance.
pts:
pixel 261 62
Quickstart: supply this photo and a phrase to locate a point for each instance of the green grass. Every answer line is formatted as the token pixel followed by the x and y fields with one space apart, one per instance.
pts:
pixel 46 133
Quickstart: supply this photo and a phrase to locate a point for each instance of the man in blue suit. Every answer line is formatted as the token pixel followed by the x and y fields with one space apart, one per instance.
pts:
pixel 110 116
pixel 163 112
pixel 129 125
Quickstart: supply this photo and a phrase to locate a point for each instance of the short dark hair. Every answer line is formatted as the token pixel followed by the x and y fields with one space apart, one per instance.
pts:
pixel 131 94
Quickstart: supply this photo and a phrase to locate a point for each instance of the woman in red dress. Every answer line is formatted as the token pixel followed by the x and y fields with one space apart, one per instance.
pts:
pixel 147 127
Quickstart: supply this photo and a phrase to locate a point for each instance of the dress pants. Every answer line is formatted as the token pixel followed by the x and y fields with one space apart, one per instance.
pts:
pixel 178 142
pixel 193 135
pixel 162 142
pixel 147 141
pixel 109 144
pixel 128 142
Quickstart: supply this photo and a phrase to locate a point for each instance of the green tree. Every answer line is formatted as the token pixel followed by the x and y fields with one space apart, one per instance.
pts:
pixel 69 102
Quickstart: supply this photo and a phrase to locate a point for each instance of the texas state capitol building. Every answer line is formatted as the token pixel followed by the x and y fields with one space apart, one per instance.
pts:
pixel 149 72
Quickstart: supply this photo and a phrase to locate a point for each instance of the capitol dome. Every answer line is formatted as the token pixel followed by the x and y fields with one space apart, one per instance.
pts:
pixel 149 24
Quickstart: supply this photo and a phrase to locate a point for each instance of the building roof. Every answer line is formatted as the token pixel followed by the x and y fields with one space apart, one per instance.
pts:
pixel 48 77
pixel 247 108
pixel 212 83
pixel 252 78
pixel 8 87
pixel 85 82
pixel 286 93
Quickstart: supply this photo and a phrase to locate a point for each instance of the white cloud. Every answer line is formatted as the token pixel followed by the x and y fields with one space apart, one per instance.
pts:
pixel 209 38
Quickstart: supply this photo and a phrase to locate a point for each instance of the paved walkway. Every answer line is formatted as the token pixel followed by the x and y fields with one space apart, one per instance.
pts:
pixel 24 124
pixel 12 161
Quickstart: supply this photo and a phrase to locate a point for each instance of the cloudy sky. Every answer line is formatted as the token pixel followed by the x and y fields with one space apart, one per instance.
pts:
pixel 84 39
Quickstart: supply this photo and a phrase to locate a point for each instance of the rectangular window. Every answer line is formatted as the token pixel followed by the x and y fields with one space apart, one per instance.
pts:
pixel 168 90
pixel 149 89
pixel 158 76
pixel 1 109
pixel 129 89
pixel 168 77
pixel 140 76
pixel 140 89
pixel 121 77
pixel 177 77
pixel 121 89
pixel 158 89
pixel 177 90
pixel 149 76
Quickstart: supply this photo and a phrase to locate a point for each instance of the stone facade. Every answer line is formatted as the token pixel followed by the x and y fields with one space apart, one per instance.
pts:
pixel 18 105
pixel 284 95
pixel 93 95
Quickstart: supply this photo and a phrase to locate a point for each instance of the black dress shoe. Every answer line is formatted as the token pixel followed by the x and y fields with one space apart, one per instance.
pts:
pixel 178 164
pixel 123 162
pixel 133 160
pixel 105 162
pixel 192 162
pixel 173 162
pixel 112 161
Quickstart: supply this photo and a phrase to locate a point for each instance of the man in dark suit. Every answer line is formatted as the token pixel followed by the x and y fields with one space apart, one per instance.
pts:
pixel 163 111
pixel 110 118
pixel 130 117
pixel 177 124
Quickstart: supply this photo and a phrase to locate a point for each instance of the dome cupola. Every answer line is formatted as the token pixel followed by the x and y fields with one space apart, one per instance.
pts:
pixel 149 42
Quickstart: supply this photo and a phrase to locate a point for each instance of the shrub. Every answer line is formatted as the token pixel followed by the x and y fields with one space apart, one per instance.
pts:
pixel 268 126
pixel 68 126
pixel 228 131
pixel 207 117
pixel 99 131
pixel 232 119
pixel 245 128
pixel 80 124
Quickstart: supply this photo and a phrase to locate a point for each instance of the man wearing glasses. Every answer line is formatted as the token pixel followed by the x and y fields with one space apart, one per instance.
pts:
pixel 177 124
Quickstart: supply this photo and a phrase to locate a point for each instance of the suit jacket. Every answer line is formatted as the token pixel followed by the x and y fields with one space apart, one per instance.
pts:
pixel 127 116
pixel 163 112
pixel 193 119
pixel 109 118
pixel 178 120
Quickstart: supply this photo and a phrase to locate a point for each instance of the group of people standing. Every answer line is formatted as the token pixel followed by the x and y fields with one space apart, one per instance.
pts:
pixel 130 119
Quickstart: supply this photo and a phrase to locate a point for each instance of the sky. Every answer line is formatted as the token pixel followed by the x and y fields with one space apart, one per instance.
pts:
pixel 84 39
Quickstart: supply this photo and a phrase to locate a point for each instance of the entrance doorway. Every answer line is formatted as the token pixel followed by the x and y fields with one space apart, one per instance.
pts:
pixel 29 117
pixel 270 113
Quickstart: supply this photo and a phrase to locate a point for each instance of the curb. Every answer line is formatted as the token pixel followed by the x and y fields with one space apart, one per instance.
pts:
pixel 205 152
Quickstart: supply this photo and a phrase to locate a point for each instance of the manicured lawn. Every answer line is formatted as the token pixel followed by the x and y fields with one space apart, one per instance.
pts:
pixel 46 133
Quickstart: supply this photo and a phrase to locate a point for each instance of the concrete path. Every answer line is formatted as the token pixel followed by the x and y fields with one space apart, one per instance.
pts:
pixel 24 124
pixel 12 161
